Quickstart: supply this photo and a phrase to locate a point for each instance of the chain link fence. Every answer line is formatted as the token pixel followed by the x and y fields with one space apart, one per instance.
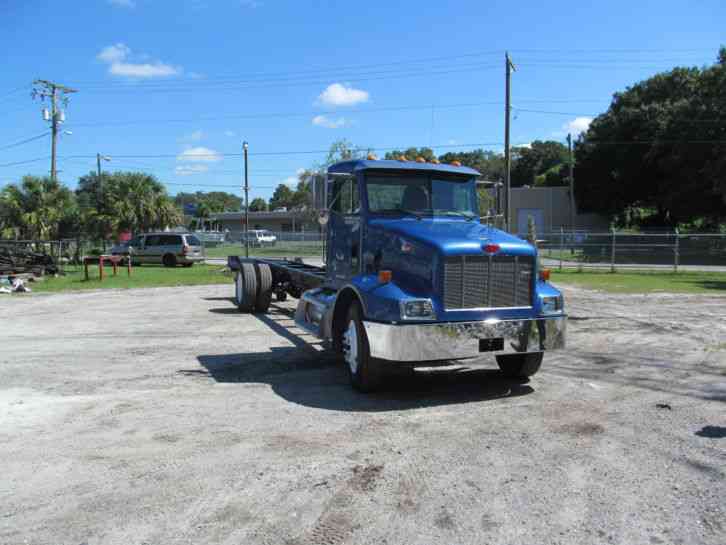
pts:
pixel 624 250
pixel 613 250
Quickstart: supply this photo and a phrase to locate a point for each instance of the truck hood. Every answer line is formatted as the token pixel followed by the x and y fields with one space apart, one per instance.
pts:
pixel 453 236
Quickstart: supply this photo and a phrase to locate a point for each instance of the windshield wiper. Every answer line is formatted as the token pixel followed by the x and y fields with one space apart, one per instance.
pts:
pixel 415 213
pixel 466 215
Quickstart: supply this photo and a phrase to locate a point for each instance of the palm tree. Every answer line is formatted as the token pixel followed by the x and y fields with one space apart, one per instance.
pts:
pixel 126 201
pixel 37 208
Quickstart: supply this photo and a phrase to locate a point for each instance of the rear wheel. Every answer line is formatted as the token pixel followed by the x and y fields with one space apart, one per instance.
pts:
pixel 245 288
pixel 264 287
pixel 364 371
pixel 520 365
pixel 169 260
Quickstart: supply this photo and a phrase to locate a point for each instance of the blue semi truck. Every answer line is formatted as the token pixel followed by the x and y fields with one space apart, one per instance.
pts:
pixel 411 277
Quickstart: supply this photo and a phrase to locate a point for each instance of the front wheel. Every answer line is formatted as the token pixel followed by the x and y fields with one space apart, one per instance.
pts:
pixel 520 365
pixel 364 371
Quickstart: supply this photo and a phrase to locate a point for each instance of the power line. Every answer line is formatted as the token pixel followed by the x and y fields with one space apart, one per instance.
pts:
pixel 26 161
pixel 296 152
pixel 31 139
pixel 273 115
pixel 165 88
pixel 341 69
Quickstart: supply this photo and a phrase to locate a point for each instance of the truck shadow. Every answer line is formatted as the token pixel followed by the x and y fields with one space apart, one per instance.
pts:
pixel 308 375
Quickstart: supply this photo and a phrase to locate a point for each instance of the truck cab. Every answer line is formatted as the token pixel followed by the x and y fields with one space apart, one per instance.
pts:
pixel 412 277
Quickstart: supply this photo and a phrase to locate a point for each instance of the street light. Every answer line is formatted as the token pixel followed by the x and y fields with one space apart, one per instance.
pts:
pixel 98 162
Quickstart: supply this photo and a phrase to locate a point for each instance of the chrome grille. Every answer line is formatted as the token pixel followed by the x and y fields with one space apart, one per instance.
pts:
pixel 487 281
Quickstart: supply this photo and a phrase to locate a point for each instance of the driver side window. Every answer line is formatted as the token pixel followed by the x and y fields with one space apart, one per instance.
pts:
pixel 346 196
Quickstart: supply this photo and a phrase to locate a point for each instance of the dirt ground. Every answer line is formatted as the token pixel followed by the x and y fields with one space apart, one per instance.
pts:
pixel 164 416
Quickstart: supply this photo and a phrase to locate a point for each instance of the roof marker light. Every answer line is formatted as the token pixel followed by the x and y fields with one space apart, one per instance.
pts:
pixel 435 161
pixel 455 163
pixel 372 157
pixel 402 158
pixel 420 159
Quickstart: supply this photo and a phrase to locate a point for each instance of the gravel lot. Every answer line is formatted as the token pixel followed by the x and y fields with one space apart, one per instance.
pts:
pixel 163 416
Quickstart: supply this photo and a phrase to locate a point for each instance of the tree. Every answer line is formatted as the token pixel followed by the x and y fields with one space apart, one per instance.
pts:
pixel 536 160
pixel 659 146
pixel 490 164
pixel 258 205
pixel 411 154
pixel 121 201
pixel 342 150
pixel 282 197
pixel 213 201
pixel 38 208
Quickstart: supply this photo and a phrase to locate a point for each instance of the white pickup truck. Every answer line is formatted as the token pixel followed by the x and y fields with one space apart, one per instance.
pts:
pixel 259 238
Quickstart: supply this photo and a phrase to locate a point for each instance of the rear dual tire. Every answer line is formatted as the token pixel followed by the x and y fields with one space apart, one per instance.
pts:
pixel 253 287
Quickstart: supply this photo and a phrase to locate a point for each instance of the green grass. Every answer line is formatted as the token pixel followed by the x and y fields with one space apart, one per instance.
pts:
pixel 146 276
pixel 281 249
pixel 646 282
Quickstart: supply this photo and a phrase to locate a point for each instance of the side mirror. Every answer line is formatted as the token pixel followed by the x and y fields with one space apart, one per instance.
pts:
pixel 319 188
pixel 323 217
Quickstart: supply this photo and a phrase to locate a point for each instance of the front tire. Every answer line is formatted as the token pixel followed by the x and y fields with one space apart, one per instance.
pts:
pixel 520 366
pixel 364 371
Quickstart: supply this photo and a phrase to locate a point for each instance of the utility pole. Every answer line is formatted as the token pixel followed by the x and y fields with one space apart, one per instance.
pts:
pixel 245 145
pixel 572 182
pixel 55 92
pixel 507 151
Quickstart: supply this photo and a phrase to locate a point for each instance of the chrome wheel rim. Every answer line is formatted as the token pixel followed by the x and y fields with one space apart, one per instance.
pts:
pixel 350 346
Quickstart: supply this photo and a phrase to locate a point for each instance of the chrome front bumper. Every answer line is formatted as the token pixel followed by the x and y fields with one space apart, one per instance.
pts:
pixel 457 340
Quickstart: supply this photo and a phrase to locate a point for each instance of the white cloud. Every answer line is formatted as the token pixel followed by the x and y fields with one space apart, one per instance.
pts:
pixel 577 125
pixel 230 133
pixel 337 94
pixel 199 155
pixel 451 142
pixel 194 136
pixel 190 170
pixel 290 181
pixel 144 70
pixel 114 53
pixel 116 57
pixel 329 123
pixel 123 3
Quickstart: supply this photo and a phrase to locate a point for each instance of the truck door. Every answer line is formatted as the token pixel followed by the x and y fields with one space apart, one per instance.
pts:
pixel 344 229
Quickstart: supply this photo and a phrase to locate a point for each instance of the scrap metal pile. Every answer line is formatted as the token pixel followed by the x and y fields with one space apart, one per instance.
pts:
pixel 16 260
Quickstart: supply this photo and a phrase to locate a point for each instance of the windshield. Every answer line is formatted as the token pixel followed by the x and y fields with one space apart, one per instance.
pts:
pixel 422 195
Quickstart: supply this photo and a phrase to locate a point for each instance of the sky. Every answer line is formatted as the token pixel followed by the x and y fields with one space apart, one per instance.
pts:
pixel 174 88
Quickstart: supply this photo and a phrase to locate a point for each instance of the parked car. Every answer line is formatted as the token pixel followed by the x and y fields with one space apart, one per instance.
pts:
pixel 168 249
pixel 259 238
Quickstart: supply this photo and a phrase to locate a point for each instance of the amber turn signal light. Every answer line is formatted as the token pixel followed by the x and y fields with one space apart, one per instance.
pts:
pixel 544 275
pixel 384 277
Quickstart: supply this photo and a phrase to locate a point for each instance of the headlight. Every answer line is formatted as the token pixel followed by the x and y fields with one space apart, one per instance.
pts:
pixel 417 309
pixel 552 305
